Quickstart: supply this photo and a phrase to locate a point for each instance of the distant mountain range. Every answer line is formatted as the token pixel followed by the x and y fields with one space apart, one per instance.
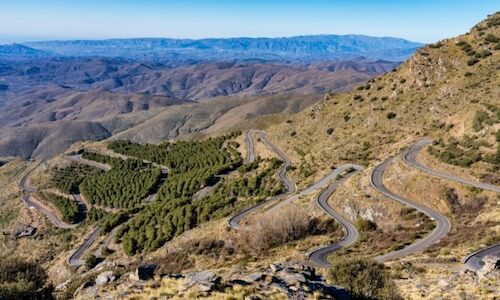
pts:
pixel 299 48
pixel 18 51
pixel 55 93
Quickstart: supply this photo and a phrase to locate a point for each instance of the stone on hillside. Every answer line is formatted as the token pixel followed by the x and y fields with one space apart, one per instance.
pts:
pixel 275 267
pixel 491 264
pixel 205 281
pixel 292 278
pixel 258 276
pixel 105 277
pixel 22 231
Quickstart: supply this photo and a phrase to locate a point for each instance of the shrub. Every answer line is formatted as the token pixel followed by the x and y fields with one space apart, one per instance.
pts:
pixel 391 115
pixel 483 54
pixel 364 279
pixel 493 158
pixel 402 80
pixel 491 38
pixel 472 61
pixel 329 131
pixel 23 280
pixel 408 213
pixel 436 45
pixel 106 251
pixel 358 97
pixel 470 52
pixel 91 261
pixel 461 154
pixel 365 225
pixel 479 118
pixel 277 229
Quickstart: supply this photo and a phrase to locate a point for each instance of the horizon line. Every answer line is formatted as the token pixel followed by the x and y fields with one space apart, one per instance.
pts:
pixel 203 38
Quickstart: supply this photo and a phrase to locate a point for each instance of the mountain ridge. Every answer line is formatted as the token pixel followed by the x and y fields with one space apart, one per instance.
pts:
pixel 20 51
pixel 295 48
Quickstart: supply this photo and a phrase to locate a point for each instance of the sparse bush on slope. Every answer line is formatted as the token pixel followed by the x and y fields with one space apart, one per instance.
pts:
pixel 23 280
pixel 365 279
pixel 288 225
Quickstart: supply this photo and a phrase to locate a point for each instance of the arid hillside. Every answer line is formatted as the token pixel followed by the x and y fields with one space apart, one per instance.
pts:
pixel 95 98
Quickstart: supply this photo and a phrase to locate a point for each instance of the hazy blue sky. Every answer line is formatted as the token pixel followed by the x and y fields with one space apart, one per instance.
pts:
pixel 418 20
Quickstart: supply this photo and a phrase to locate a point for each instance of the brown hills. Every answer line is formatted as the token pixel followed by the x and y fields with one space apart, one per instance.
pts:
pixel 48 104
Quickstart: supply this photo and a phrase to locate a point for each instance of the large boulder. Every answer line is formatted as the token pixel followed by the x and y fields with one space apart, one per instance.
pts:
pixel 292 277
pixel 204 281
pixel 105 277
pixel 491 264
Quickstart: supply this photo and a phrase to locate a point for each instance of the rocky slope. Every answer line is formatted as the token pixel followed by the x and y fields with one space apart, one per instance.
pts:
pixel 447 91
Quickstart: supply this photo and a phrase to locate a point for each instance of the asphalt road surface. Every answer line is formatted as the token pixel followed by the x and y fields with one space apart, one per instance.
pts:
pixel 443 225
pixel 314 187
pixel 410 158
pixel 473 260
pixel 234 222
pixel 250 147
pixel 75 259
pixel 290 186
pixel 351 234
pixel 50 215
pixel 27 190
pixel 80 159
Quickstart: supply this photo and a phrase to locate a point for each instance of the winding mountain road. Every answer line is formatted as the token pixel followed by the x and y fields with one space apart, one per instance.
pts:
pixel 474 260
pixel 75 259
pixel 49 214
pixel 250 147
pixel 234 222
pixel 290 186
pixel 27 191
pixel 318 185
pixel 80 159
pixel 351 234
pixel 443 224
pixel 410 157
